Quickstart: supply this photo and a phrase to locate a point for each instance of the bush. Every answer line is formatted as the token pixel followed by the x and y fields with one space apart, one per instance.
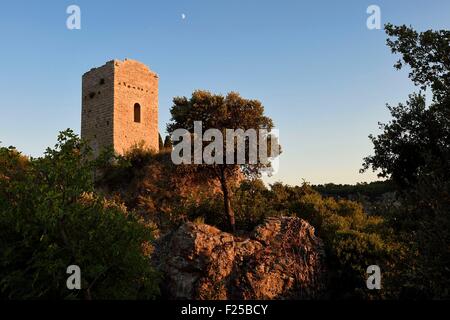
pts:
pixel 353 239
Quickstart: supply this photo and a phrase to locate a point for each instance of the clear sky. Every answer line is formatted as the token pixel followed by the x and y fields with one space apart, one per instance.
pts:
pixel 322 75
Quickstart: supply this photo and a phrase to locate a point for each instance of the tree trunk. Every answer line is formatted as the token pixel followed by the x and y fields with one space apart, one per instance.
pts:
pixel 226 200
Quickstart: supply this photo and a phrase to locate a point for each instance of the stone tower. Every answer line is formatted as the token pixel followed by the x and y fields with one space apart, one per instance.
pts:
pixel 120 106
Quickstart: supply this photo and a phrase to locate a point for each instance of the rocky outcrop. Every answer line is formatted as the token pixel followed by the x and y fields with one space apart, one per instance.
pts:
pixel 281 259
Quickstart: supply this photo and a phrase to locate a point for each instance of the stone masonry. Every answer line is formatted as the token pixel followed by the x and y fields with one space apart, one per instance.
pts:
pixel 120 106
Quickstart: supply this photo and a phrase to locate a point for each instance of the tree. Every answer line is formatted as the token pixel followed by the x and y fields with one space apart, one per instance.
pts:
pixel 414 150
pixel 222 113
pixel 51 218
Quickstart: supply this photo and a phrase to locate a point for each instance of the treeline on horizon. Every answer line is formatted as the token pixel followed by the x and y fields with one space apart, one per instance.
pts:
pixel 372 190
pixel 104 214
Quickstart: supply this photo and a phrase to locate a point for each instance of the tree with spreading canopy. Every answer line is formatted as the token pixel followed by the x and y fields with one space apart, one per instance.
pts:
pixel 51 218
pixel 222 113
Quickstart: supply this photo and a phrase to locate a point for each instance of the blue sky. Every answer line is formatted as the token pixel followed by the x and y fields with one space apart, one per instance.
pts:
pixel 323 77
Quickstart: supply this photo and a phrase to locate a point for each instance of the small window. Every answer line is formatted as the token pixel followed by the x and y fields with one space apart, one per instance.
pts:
pixel 137 112
pixel 102 81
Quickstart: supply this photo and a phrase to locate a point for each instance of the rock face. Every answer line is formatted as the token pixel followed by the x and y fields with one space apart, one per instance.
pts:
pixel 281 259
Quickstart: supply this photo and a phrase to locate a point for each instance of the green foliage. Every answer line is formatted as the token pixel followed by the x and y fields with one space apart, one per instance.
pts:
pixel 427 55
pixel 209 210
pixel 50 218
pixel 372 190
pixel 251 203
pixel 416 142
pixel 219 112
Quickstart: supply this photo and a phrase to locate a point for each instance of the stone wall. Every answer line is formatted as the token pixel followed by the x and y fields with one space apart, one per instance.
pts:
pixel 98 106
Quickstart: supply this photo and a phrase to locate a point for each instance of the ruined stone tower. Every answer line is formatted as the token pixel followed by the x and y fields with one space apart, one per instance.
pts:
pixel 120 106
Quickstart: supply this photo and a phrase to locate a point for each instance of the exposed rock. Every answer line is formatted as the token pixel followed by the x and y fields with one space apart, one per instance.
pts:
pixel 281 259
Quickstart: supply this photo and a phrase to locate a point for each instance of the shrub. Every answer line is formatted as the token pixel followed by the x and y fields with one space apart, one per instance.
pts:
pixel 50 218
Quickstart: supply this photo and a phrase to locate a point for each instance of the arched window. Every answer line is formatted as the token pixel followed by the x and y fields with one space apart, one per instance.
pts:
pixel 137 112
